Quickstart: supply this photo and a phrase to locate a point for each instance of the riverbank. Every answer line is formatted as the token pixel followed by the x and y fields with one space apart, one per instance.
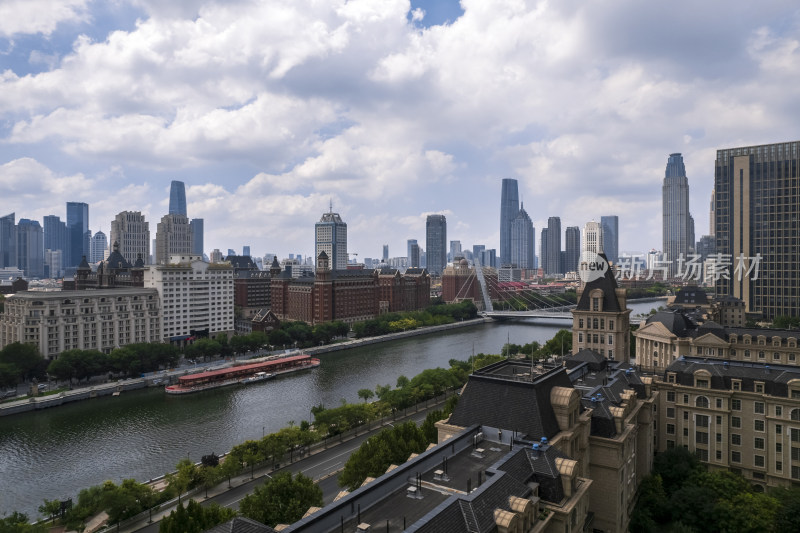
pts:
pixel 157 379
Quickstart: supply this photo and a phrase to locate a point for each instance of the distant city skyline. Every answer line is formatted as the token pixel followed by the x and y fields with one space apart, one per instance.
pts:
pixel 581 107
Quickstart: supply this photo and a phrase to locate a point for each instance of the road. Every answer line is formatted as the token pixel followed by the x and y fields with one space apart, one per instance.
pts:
pixel 322 466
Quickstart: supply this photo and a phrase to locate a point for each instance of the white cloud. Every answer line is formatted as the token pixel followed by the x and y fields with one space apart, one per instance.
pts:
pixel 38 16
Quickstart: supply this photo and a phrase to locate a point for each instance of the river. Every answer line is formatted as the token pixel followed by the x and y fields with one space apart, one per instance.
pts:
pixel 142 434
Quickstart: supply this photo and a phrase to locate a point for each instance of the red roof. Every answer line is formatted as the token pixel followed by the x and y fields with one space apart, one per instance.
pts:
pixel 255 367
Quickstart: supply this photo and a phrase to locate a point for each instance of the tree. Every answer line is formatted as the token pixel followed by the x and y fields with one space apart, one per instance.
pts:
pixel 365 394
pixel 282 500
pixel 747 512
pixel 25 358
pixel 787 519
pixel 195 518
pixel 50 508
pixel 18 523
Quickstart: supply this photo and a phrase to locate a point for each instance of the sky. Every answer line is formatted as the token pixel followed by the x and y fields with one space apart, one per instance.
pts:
pixel 388 109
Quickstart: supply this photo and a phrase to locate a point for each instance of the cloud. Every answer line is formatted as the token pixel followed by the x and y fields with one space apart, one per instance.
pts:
pixel 38 16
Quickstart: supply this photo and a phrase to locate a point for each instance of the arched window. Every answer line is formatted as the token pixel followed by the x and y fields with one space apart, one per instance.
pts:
pixel 796 414
pixel 701 401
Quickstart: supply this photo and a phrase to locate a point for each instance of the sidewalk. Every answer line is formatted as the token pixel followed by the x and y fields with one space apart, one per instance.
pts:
pixel 146 518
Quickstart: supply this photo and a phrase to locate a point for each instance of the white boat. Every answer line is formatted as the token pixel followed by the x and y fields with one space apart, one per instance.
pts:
pixel 258 376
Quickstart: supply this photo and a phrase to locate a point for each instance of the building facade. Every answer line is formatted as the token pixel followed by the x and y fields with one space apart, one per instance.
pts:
pixel 677 226
pixel 331 237
pixel 173 238
pixel 131 232
pixel 8 241
pixel 30 248
pixel 572 248
pixel 756 197
pixel 593 238
pixel 553 257
pixel 102 319
pixel 196 297
pixel 509 208
pixel 78 232
pixel 523 249
pixel 196 225
pixel 98 247
pixel 610 229
pixel 436 244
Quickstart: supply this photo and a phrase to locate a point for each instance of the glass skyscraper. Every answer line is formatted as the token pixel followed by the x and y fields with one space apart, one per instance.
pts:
pixel 522 241
pixel 436 244
pixel 197 236
pixel 572 236
pixel 8 241
pixel 678 238
pixel 177 198
pixel 509 207
pixel 756 201
pixel 609 226
pixel 78 233
pixel 554 265
pixel 331 237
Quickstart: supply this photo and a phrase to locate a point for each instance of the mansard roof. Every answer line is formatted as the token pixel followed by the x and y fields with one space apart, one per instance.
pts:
pixel 607 284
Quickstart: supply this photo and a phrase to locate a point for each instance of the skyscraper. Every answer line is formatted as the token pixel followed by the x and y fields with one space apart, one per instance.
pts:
pixel 30 248
pixel 413 256
pixel 593 238
pixel 711 215
pixel 246 251
pixel 455 250
pixel 554 265
pixel 522 241
pixel 756 196
pixel 197 236
pixel 78 232
pixel 8 241
pixel 436 244
pixel 572 251
pixel 678 236
pixel 543 250
pixel 55 234
pixel 509 207
pixel 173 237
pixel 177 198
pixel 331 238
pixel 385 252
pixel 610 235
pixel 131 232
pixel 409 243
pixel 97 247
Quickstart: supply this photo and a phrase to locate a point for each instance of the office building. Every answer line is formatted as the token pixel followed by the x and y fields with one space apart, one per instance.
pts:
pixel 8 241
pixel 196 225
pixel 553 265
pixel 489 258
pixel 593 238
pixel 523 249
pixel 55 234
pixel 711 215
pixel 177 198
pixel 477 250
pixel 78 232
pixel 706 247
pixel 216 256
pixel 30 248
pixel 331 237
pixel 756 198
pixel 173 238
pixel 385 256
pixel 98 247
pixel 572 250
pixel 455 250
pixel 436 244
pixel 196 297
pixel 610 235
pixel 678 230
pixel 246 251
pixel 131 232
pixel 509 207
pixel 413 257
pixel 53 263
pixel 409 243
pixel 101 319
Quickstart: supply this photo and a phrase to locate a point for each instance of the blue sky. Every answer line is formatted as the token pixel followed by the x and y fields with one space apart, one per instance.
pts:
pixel 390 109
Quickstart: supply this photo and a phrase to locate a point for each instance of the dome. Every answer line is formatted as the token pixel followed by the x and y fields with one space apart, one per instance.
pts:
pixel 463 263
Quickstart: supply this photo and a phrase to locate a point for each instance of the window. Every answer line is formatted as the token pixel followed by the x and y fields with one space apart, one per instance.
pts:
pixel 758 408
pixel 701 421
pixel 778 429
pixel 670 412
pixel 580 323
pixel 760 388
pixel 795 414
pixel 736 457
pixel 736 422
pixel 719 437
pixel 795 454
pixel 758 460
pixel 685 398
pixel 671 396
pixel 758 425
pixel 778 410
pixel 670 429
pixel 580 337
pixel 610 324
pixel 701 401
pixel 736 405
pixel 719 420
pixel 736 439
pixel 686 415
pixel 737 385
pixel 758 443
pixel 685 432
pixel 702 383
pixel 778 466
pixel 719 403
pixel 778 447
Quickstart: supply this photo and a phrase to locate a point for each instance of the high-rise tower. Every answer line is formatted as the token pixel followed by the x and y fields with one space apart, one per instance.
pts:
pixel 523 248
pixel 553 265
pixel 177 198
pixel 509 207
pixel 756 201
pixel 30 248
pixel 197 236
pixel 131 233
pixel 173 237
pixel 572 248
pixel 8 241
pixel 78 232
pixel 331 237
pixel 609 226
pixel 678 227
pixel 436 244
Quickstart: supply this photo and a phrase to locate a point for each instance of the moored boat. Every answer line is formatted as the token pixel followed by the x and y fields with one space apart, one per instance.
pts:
pixel 214 379
pixel 258 376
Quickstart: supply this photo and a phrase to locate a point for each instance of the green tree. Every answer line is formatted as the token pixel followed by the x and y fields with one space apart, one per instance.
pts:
pixel 25 358
pixel 195 518
pixel 747 512
pixel 18 523
pixel 50 508
pixel 282 500
pixel 365 394
pixel 787 518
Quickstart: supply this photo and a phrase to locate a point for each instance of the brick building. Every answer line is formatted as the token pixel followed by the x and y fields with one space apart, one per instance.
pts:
pixel 345 295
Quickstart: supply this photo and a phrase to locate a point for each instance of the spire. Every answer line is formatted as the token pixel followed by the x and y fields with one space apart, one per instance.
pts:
pixel 330 205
